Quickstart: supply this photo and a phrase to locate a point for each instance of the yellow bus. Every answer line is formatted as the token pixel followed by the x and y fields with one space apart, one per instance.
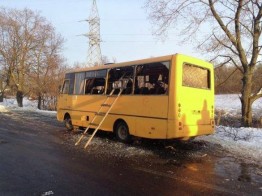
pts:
pixel 161 98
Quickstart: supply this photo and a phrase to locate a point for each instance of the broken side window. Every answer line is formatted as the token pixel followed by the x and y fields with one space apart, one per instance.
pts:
pixel 121 77
pixel 95 82
pixel 152 78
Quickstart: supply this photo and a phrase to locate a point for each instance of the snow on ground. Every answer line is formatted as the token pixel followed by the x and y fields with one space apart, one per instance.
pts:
pixel 244 143
pixel 241 142
pixel 11 104
pixel 3 108
pixel 231 105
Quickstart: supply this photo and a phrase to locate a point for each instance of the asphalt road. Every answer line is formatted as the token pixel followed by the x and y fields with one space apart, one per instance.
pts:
pixel 38 157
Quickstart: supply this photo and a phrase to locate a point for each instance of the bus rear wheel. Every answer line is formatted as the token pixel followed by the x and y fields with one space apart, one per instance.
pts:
pixel 68 123
pixel 122 132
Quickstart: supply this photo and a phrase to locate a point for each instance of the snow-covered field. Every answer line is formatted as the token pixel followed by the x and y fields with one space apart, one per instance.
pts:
pixel 245 143
pixel 231 105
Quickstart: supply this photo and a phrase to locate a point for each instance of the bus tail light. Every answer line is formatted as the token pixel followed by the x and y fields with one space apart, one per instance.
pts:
pixel 180 125
pixel 212 123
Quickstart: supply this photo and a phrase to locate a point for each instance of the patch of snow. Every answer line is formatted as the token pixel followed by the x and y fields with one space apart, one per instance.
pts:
pixel 3 109
pixel 120 149
pixel 46 111
pixel 243 142
pixel 11 104
pixel 231 104
pixel 47 193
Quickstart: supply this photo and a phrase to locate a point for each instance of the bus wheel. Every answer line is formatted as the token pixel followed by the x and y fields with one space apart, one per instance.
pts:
pixel 122 132
pixel 68 123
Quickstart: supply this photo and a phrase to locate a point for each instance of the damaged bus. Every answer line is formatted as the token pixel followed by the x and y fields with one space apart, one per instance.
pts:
pixel 159 98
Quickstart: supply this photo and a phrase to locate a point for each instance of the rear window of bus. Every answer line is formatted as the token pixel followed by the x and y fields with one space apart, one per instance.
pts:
pixel 195 76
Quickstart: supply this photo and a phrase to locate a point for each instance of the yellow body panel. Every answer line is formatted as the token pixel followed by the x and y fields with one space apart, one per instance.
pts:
pixel 184 112
pixel 142 114
pixel 191 110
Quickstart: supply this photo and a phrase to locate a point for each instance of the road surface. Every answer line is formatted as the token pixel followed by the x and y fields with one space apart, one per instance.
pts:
pixel 38 157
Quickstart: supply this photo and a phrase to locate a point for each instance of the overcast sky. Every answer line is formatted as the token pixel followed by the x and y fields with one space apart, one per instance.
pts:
pixel 125 30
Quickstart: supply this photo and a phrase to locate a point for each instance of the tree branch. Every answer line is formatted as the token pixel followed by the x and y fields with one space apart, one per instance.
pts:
pixel 257 33
pixel 221 23
pixel 226 46
pixel 226 78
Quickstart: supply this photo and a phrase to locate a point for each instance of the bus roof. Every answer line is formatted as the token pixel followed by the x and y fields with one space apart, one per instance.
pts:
pixel 135 62
pixel 122 64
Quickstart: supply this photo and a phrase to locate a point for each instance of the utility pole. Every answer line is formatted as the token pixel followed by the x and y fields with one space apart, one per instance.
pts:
pixel 94 56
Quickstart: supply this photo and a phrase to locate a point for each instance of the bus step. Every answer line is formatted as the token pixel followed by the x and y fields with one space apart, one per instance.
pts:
pixel 93 124
pixel 100 113
pixel 106 105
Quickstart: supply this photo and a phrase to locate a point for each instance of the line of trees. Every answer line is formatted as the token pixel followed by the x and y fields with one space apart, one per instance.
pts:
pixel 30 56
pixel 226 78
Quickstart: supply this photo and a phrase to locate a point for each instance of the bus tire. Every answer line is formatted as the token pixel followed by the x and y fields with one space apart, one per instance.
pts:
pixel 68 123
pixel 122 132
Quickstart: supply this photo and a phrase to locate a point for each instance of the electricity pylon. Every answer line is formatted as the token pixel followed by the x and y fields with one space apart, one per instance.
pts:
pixel 94 57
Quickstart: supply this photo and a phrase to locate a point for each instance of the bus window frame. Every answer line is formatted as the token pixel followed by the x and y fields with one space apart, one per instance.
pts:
pixel 81 72
pixel 198 66
pixel 134 78
pixel 121 67
pixel 95 76
pixel 62 91
pixel 168 82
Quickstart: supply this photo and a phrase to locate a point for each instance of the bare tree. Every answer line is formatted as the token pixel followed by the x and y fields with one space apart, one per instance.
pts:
pixel 27 43
pixel 1 90
pixel 16 41
pixel 46 62
pixel 3 82
pixel 228 31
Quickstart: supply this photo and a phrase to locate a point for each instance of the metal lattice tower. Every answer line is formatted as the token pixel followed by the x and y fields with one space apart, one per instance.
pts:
pixel 94 57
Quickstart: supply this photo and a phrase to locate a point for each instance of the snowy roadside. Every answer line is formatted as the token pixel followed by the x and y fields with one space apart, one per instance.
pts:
pixel 242 142
pixel 245 143
pixel 3 108
pixel 11 104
